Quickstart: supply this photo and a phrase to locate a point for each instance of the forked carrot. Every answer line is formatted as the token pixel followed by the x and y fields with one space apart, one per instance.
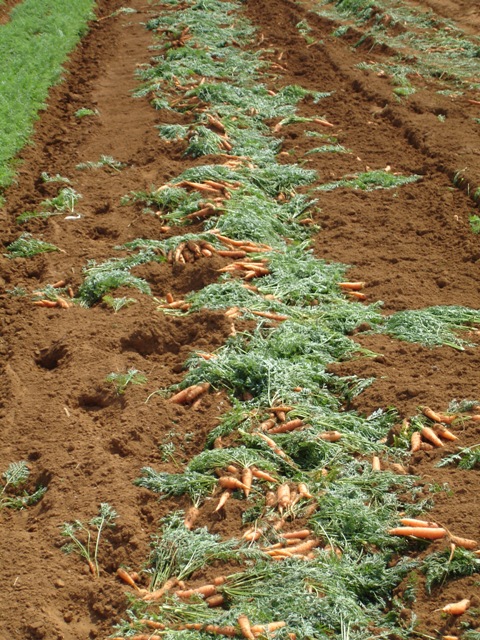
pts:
pixel 429 533
pixel 303 490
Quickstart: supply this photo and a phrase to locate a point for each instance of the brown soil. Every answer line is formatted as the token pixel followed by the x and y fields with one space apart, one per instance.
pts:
pixel 5 9
pixel 84 442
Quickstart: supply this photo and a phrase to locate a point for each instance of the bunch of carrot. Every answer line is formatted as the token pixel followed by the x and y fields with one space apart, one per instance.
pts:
pixel 432 436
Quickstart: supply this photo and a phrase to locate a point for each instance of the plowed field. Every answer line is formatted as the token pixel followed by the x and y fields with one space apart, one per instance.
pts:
pixel 86 437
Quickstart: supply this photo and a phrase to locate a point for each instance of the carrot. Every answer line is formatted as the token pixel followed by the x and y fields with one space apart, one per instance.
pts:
pixel 270 499
pixel 304 547
pixel 399 468
pixel 415 441
pixel 152 624
pixel 191 516
pixel 429 434
pixel 376 466
pixel 444 433
pixel 126 577
pixel 59 284
pixel 247 477
pixel 351 286
pixel 215 601
pixel 303 490
pixel 280 317
pixel 159 593
pixel 291 425
pixel 223 499
pixel 229 482
pixel 205 590
pixel 429 533
pixel 245 627
pixel 262 475
pixel 272 444
pixel 430 413
pixel 253 534
pixel 283 496
pixel 357 294
pixel 324 123
pixel 465 543
pixel 215 629
pixel 457 608
pixel 169 298
pixel 413 522
pixel 330 436
pixel 190 393
pixel 45 303
pixel 267 424
pixel 302 533
pixel 267 628
pixel 231 253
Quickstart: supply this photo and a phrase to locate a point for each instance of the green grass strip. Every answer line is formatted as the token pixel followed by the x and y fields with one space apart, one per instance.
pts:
pixel 33 46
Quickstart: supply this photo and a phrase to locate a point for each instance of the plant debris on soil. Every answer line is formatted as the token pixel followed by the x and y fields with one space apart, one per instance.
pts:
pixel 241 244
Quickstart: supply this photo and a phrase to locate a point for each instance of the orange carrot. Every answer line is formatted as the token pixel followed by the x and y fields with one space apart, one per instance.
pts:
pixel 415 441
pixel 303 490
pixel 229 482
pixel 291 425
pixel 444 433
pixel 324 123
pixel 253 534
pixel 215 629
pixel 283 496
pixel 438 417
pixel 152 624
pixel 191 516
pixel 45 303
pixel 429 434
pixel 247 477
pixel 126 577
pixel 272 444
pixel 304 547
pixel 429 533
pixel 281 408
pixel 280 317
pixel 59 284
pixel 169 298
pixel 205 590
pixel 231 253
pixel 413 522
pixel 215 601
pixel 330 436
pixel 262 475
pixel 223 499
pixel 465 543
pixel 457 608
pixel 190 393
pixel 267 628
pixel 245 627
pixel 351 286
pixel 302 533
pixel 159 593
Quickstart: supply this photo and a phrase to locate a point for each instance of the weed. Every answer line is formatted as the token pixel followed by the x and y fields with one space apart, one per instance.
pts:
pixel 475 223
pixel 27 247
pixel 11 493
pixel 121 380
pixel 85 539
pixel 104 162
pixel 117 303
pixel 465 458
pixel 83 112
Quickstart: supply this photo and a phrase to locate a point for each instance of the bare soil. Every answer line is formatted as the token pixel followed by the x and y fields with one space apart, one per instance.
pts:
pixel 85 443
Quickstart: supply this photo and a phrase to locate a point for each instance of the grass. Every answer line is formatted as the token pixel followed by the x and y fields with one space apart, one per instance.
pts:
pixel 33 46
